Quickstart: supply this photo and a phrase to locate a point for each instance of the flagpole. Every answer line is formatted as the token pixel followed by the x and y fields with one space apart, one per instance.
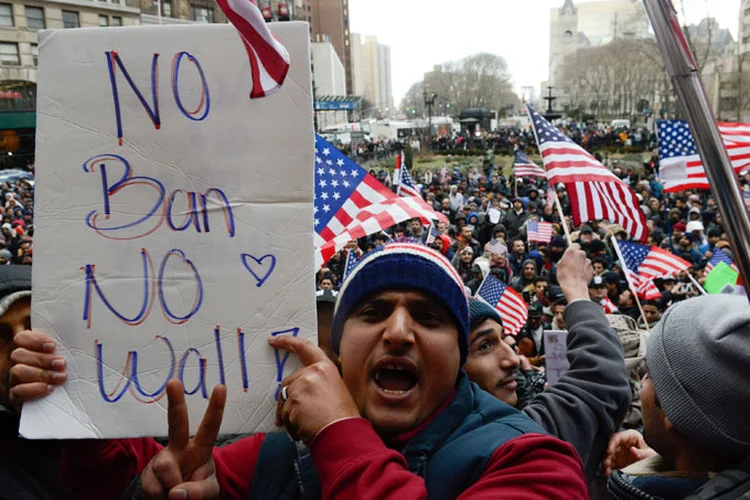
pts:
pixel 562 220
pixel 682 69
pixel 633 289
pixel 698 285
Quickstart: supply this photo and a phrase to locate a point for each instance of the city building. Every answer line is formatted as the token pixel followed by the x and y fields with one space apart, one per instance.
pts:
pixel 329 22
pixel 19 52
pixel 371 67
pixel 329 76
pixel 593 24
pixel 178 11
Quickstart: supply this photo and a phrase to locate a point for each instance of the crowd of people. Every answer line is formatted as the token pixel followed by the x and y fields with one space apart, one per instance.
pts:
pixel 416 389
pixel 17 235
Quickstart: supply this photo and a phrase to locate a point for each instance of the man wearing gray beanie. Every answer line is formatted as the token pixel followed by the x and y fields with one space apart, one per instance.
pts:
pixel 696 404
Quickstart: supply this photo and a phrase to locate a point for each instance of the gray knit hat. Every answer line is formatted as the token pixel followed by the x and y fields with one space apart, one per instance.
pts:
pixel 698 357
pixel 15 284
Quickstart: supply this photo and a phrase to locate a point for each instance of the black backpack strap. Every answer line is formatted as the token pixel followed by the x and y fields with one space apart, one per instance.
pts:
pixel 732 484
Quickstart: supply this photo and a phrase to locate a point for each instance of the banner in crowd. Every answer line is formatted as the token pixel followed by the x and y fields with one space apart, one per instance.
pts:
pixel 173 232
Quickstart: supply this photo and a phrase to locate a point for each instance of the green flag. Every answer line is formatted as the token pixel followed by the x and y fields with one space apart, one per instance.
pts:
pixel 719 277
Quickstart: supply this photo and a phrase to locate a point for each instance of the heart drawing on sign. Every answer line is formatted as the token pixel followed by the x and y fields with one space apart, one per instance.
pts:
pixel 264 270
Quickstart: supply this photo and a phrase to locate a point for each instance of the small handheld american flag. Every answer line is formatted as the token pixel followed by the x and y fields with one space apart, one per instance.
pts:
pixel 720 256
pixel 539 231
pixel 511 306
pixel 643 264
pixel 351 261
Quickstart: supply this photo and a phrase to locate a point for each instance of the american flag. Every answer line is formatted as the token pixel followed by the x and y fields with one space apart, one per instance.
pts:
pixel 400 164
pixel 351 204
pixel 527 168
pixel 608 306
pixel 551 196
pixel 432 236
pixel 720 256
pixel 269 59
pixel 595 193
pixel 539 231
pixel 513 310
pixel 351 261
pixel 497 247
pixel 407 187
pixel 680 166
pixel 648 291
pixel 643 264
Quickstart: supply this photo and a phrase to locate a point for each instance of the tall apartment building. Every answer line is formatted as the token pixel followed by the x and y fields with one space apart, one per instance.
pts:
pixel 371 68
pixel 330 23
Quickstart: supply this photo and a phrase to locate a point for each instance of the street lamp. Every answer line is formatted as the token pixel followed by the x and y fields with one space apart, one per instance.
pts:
pixel 429 102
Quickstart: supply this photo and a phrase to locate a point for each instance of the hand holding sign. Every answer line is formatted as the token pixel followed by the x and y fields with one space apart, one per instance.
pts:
pixel 315 395
pixel 35 368
pixel 185 468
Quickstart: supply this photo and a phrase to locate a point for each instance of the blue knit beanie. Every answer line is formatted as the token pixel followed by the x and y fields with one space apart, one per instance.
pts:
pixel 404 266
pixel 480 311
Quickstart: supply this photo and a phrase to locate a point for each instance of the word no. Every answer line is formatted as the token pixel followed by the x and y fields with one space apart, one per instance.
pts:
pixel 198 114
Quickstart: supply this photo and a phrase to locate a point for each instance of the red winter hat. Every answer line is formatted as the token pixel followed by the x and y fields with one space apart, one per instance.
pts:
pixel 681 226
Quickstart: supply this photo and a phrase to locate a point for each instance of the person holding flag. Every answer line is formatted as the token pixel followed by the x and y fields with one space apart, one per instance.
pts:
pixel 590 401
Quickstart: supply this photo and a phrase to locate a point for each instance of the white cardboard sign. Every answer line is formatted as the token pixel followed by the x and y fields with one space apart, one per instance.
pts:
pixel 556 354
pixel 173 226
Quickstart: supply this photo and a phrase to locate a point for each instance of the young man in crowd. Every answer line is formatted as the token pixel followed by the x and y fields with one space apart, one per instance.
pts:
pixel 398 419
pixel 589 403
pixel 517 256
pixel 695 407
pixel 533 332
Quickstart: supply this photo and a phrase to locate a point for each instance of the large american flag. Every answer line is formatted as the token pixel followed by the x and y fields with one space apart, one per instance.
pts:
pixel 351 204
pixel 720 256
pixel 680 166
pixel 643 264
pixel 524 167
pixel 269 59
pixel 513 310
pixel 595 193
pixel 539 231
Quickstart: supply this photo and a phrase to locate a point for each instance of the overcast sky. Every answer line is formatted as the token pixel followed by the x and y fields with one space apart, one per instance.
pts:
pixel 423 33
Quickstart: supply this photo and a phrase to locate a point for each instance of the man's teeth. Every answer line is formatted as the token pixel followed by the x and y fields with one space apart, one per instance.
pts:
pixel 393 393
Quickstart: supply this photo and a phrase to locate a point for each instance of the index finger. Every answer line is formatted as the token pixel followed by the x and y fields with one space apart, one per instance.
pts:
pixel 307 352
pixel 177 415
pixel 209 428
pixel 34 341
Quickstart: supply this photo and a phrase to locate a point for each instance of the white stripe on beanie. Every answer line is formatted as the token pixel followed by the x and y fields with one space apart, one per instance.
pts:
pixel 413 249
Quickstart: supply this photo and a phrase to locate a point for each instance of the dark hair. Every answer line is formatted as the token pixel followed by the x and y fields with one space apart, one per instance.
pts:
pixel 600 261
pixel 714 232
pixel 539 278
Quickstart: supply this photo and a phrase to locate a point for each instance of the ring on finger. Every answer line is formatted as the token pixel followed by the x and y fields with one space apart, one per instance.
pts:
pixel 284 395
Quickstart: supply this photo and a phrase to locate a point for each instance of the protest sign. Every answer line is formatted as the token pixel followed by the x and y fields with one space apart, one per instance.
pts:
pixel 720 276
pixel 556 354
pixel 174 226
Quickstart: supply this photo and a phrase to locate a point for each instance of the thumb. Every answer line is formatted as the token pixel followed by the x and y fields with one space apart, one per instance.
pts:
pixel 640 454
pixel 307 352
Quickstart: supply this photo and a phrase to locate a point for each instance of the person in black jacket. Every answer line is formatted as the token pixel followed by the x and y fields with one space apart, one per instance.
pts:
pixel 29 470
pixel 588 404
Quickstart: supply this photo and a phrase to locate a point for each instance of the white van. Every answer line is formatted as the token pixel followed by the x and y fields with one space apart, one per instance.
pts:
pixel 620 124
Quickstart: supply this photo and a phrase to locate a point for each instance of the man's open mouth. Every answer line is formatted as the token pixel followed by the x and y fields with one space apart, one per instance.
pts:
pixel 395 376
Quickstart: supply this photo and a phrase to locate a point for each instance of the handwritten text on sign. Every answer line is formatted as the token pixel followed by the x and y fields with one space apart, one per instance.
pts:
pixel 174 226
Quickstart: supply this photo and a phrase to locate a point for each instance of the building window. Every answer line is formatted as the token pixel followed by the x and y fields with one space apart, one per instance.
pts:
pixel 9 54
pixel 166 9
pixel 103 21
pixel 35 18
pixel 6 15
pixel 203 14
pixel 35 53
pixel 116 21
pixel 70 19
